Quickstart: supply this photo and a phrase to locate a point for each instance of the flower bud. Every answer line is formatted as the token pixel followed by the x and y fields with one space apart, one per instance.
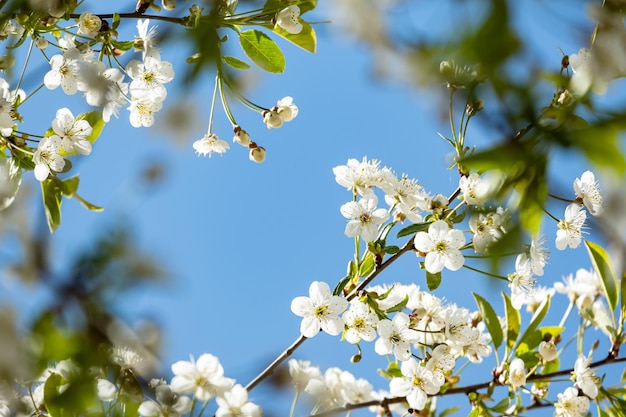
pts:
pixel 356 358
pixel 41 43
pixel 548 351
pixel 168 4
pixel 272 119
pixel 7 61
pixel 241 136
pixel 257 153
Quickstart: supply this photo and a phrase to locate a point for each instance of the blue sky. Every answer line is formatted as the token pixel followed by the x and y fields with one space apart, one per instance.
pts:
pixel 239 239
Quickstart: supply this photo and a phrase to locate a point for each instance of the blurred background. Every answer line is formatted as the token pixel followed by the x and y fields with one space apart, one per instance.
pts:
pixel 198 255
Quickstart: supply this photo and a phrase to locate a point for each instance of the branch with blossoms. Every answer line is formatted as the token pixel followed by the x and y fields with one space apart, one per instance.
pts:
pixel 87 53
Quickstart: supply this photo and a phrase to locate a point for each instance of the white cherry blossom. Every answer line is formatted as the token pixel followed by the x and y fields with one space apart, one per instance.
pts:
pixel 548 350
pixel 585 378
pixel 234 403
pixel 64 72
pixel 360 322
pixel 73 133
pixel 416 383
pixel 288 19
pixel 142 112
pixel 203 378
pixel 570 229
pixel 149 77
pixel 517 373
pixel 358 176
pixel 587 191
pixel 210 144
pixel 286 109
pixel 320 310
pixel 47 158
pixel 396 337
pixel 441 246
pixel 364 218
pixel 570 404
pixel 103 87
pixel 521 282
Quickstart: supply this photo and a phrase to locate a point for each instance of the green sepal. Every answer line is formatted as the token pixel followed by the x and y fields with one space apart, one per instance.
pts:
pixel 236 63
pixel 414 228
pixel 491 320
pixel 433 280
pixel 262 50
pixel 604 269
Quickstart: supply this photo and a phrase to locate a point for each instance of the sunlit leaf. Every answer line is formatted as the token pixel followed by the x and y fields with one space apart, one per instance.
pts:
pixel 414 228
pixel 604 269
pixel 52 192
pixel 367 265
pixel 513 322
pixel 236 63
pixel 491 320
pixel 433 280
pixel 262 50
pixel 306 39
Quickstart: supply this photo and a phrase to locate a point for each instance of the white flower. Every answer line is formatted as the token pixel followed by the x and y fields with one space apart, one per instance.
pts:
pixel 145 42
pixel 488 228
pixel 441 360
pixel 585 378
pixel 364 218
pixel 570 233
pixel 416 383
pixel 169 403
pixel 548 351
pixel 234 403
pixel 204 377
pixel 521 281
pixel 360 322
pixel 287 19
pixel 89 24
pixel 476 191
pixel 142 112
pixel 395 337
pixel 570 404
pixel 441 245
pixel 403 192
pixel 517 373
pixel 583 289
pixel 64 72
pixel 149 77
pixel 478 344
pixel 587 190
pixel 107 391
pixel 538 255
pixel 286 109
pixel 586 76
pixel 320 310
pixel 210 144
pixel 257 154
pixel 357 176
pixel 47 158
pixel 73 133
pixel 302 372
pixel 103 87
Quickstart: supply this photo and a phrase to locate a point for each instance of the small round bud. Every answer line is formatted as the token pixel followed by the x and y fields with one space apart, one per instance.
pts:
pixel 7 61
pixel 565 61
pixel 257 153
pixel 41 43
pixel 241 136
pixel 272 119
pixel 168 4
pixel 356 358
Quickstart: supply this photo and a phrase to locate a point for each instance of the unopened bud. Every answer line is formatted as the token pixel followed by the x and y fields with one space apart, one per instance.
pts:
pixel 168 4
pixel 565 61
pixel 257 153
pixel 7 62
pixel 548 351
pixel 272 119
pixel 474 107
pixel 356 358
pixel 89 24
pixel 41 43
pixel 241 136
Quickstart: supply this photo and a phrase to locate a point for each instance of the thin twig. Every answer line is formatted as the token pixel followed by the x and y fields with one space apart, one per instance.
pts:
pixel 270 369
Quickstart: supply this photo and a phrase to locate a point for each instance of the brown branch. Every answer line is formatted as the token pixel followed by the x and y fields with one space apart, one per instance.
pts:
pixel 136 15
pixel 461 390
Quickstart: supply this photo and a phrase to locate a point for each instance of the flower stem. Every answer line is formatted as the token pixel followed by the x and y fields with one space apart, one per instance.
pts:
pixel 213 106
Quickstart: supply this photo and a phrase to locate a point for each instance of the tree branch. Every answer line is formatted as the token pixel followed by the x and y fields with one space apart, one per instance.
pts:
pixel 270 369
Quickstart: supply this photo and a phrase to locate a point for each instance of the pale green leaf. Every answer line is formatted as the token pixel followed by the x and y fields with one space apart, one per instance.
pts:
pixel 236 63
pixel 604 269
pixel 491 320
pixel 513 322
pixel 433 280
pixel 262 50
pixel 306 39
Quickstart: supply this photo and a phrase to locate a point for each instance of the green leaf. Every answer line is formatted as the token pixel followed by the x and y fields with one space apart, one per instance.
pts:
pixel 601 145
pixel 89 206
pixel 400 306
pixel 367 265
pixel 236 63
pixel 262 50
pixel 306 39
pixel 123 45
pixel 341 285
pixel 604 268
pixel 51 395
pixel 52 192
pixel 116 20
pixel 433 280
pixel 392 371
pixel 275 6
pixel 491 320
pixel 536 320
pixel 513 322
pixel 414 228
pixel 392 249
